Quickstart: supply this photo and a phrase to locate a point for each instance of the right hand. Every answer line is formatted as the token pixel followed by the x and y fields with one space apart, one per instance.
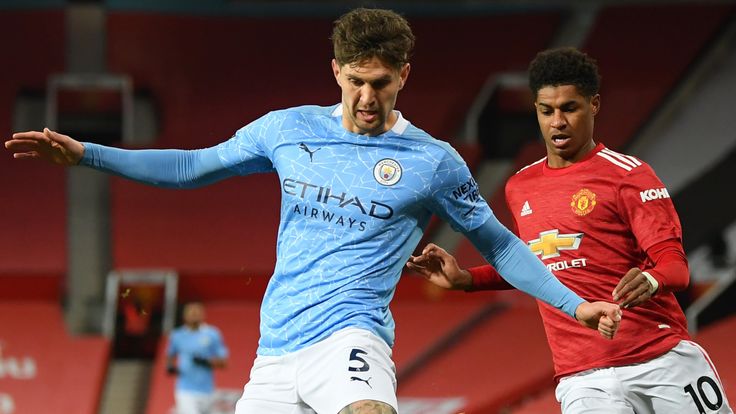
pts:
pixel 48 145
pixel 440 268
pixel 202 362
pixel 602 316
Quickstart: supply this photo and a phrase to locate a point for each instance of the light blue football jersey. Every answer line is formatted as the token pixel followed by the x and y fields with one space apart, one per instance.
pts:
pixel 185 343
pixel 353 209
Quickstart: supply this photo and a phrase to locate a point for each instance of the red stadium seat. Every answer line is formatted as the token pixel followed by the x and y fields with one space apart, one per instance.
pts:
pixel 33 224
pixel 718 339
pixel 42 367
pixel 493 366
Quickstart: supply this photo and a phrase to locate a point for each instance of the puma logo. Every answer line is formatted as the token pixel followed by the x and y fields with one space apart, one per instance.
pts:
pixel 362 380
pixel 305 148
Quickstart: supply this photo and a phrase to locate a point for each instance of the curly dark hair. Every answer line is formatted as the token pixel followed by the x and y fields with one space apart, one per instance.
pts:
pixel 365 33
pixel 564 66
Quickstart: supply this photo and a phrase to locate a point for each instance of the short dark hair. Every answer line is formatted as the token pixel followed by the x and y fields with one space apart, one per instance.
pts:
pixel 365 33
pixel 564 66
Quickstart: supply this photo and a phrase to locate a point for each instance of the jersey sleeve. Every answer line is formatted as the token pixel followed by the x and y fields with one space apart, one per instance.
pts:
pixel 520 267
pixel 171 349
pixel 670 266
pixel 454 194
pixel 645 204
pixel 250 150
pixel 220 350
pixel 247 152
pixel 163 168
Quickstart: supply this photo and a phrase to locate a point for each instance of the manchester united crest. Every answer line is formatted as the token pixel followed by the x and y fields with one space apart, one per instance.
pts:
pixel 583 202
pixel 387 171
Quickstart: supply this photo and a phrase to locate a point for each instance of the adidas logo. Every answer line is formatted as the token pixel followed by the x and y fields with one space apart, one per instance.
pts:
pixel 526 210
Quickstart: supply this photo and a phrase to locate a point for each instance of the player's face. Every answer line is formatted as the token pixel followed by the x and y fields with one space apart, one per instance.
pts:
pixel 193 314
pixel 369 91
pixel 566 120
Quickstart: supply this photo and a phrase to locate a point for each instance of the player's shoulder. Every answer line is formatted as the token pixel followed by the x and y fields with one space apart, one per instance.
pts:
pixel 304 111
pixel 211 329
pixel 439 148
pixel 177 332
pixel 618 163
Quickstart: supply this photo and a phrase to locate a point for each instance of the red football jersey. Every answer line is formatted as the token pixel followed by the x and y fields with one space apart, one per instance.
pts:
pixel 590 223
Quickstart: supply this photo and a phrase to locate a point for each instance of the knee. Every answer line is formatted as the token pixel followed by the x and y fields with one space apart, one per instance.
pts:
pixel 368 407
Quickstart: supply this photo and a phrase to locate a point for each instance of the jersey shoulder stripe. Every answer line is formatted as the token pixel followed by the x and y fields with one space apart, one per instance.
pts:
pixel 626 162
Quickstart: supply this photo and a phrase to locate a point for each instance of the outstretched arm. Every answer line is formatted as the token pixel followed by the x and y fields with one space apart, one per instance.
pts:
pixel 163 168
pixel 521 268
pixel 440 268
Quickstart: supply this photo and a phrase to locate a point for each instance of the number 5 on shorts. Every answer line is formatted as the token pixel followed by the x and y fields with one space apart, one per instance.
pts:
pixel 354 357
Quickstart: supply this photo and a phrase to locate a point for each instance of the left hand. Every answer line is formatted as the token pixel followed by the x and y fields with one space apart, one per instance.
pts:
pixel 633 288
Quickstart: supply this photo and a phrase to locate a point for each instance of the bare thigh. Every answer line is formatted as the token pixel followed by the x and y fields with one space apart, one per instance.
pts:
pixel 368 407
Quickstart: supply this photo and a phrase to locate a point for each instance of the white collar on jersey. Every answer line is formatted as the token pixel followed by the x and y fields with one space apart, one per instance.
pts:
pixel 398 128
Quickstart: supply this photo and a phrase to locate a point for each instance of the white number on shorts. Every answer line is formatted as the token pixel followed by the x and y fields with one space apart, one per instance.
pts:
pixel 354 357
pixel 713 385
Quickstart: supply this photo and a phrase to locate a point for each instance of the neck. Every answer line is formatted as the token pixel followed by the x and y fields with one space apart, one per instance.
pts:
pixel 561 161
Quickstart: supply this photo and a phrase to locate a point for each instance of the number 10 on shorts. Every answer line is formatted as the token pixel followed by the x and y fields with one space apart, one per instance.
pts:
pixel 700 396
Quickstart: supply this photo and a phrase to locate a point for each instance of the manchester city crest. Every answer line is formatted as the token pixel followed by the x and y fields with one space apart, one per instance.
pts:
pixel 387 172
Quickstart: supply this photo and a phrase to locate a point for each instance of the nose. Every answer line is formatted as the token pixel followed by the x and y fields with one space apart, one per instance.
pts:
pixel 558 120
pixel 367 95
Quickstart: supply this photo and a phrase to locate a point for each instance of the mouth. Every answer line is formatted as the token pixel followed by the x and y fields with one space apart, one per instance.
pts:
pixel 367 116
pixel 560 140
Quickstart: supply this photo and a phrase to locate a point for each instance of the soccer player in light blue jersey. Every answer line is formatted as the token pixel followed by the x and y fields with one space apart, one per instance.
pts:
pixel 359 183
pixel 194 350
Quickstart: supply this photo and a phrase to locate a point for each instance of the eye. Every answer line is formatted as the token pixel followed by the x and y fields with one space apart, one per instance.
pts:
pixel 380 84
pixel 355 82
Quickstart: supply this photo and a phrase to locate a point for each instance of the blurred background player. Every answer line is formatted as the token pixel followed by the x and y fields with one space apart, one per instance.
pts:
pixel 194 350
pixel 593 215
pixel 359 183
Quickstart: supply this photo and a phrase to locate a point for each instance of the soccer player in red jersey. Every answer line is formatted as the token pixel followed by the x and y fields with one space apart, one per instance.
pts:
pixel 605 225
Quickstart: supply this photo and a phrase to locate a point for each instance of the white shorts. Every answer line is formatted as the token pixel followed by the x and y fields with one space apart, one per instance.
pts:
pixel 683 380
pixel 351 365
pixel 192 402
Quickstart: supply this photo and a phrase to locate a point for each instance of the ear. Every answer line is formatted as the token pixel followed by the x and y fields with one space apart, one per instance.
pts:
pixel 336 70
pixel 595 103
pixel 404 75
